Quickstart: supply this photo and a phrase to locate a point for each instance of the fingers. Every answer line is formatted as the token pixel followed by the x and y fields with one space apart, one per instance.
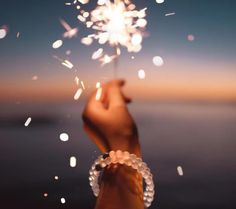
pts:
pixel 115 97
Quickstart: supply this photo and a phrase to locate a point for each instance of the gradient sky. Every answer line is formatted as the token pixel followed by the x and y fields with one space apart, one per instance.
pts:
pixel 202 69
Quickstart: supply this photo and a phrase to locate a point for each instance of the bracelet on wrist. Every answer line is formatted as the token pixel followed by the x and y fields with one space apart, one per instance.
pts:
pixel 124 158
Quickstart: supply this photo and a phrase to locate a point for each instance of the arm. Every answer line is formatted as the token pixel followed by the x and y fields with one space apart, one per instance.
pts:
pixel 111 127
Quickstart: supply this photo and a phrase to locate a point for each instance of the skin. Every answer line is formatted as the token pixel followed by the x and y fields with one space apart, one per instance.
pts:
pixel 111 127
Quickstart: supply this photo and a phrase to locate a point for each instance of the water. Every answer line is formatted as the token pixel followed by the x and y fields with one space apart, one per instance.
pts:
pixel 199 137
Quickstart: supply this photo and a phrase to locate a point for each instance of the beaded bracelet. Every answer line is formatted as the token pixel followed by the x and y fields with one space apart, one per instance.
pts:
pixel 114 157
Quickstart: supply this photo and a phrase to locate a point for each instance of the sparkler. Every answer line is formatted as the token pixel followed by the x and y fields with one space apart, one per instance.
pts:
pixel 116 23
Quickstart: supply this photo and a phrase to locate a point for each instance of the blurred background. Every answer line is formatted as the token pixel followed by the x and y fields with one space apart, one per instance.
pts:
pixel 185 109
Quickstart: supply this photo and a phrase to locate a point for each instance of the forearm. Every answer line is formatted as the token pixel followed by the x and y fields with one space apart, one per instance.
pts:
pixel 121 187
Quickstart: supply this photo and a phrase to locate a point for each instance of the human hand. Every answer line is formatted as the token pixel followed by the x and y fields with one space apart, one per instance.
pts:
pixel 108 122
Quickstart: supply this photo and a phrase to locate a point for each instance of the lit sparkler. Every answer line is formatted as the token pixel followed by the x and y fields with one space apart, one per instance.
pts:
pixel 117 23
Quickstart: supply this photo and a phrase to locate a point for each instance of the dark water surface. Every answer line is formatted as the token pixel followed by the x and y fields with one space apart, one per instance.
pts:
pixel 199 137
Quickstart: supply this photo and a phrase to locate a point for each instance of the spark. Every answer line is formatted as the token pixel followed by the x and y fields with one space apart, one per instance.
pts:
pixel 158 61
pixel 77 80
pixel 35 78
pixel 68 64
pixel 180 170
pixel 160 1
pixel 87 41
pixel 63 200
pixel 45 194
pixel 57 44
pixel 70 32
pixel 18 35
pixel 56 177
pixel 98 85
pixel 141 74
pixel 97 54
pixel 82 84
pixel 73 161
pixel 191 37
pixel 68 4
pixel 3 33
pixel 68 52
pixel 117 24
pixel 98 94
pixel 78 94
pixel 27 122
pixel 64 137
pixel 170 14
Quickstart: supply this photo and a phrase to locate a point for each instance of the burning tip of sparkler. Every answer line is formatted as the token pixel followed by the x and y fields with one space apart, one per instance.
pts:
pixel 45 194
pixel 56 177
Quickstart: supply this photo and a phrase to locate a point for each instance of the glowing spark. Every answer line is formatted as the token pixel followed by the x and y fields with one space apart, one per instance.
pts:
pixel 45 194
pixel 3 33
pixel 27 122
pixel 83 1
pixel 67 3
pixel 64 137
pixel 141 74
pixel 63 200
pixel 191 37
pixel 180 170
pixel 170 14
pixel 97 54
pixel 68 52
pixel 35 78
pixel 57 44
pixel 116 23
pixel 70 32
pixel 68 64
pixel 87 41
pixel 160 1
pixel 98 85
pixel 78 94
pixel 77 80
pixel 73 161
pixel 82 84
pixel 158 61
pixel 98 94
pixel 132 57
pixel 18 35
pixel 107 59
pixel 56 177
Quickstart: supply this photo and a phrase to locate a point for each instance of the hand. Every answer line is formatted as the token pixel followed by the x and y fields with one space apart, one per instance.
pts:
pixel 108 121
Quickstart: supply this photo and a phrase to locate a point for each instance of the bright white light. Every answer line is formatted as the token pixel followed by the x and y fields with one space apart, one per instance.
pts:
pixel 45 194
pixel 27 122
pixel 87 41
pixel 97 54
pixel 56 177
pixel 98 94
pixel 73 161
pixel 158 61
pixel 98 85
pixel 63 200
pixel 180 170
pixel 160 1
pixel 64 137
pixel 57 44
pixel 136 39
pixel 141 74
pixel 3 33
pixel 78 94
pixel 68 64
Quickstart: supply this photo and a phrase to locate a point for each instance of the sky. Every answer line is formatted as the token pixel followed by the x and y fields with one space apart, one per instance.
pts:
pixel 203 69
